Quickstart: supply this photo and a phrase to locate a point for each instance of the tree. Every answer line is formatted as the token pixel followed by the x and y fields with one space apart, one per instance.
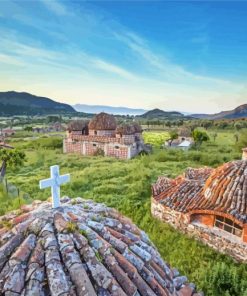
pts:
pixel 215 135
pixel 236 138
pixel 200 137
pixel 173 136
pixel 10 158
pixel 206 124
pixel 28 129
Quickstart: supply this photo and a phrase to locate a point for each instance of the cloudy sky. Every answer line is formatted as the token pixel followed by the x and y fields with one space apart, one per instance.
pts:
pixel 185 56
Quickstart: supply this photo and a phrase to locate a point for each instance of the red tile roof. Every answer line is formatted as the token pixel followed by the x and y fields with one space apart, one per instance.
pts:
pixel 81 248
pixel 221 190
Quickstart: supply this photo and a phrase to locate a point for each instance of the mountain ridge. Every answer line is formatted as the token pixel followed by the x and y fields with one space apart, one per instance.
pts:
pixel 238 112
pixel 23 103
pixel 108 109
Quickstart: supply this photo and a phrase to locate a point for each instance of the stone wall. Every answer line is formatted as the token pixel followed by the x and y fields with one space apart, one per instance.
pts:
pixel 90 148
pixel 211 236
pixel 102 133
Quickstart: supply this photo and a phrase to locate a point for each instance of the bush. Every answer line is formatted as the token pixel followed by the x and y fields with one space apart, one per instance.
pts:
pixel 46 143
pixel 226 280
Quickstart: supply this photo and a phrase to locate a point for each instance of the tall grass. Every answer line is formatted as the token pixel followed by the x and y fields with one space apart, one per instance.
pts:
pixel 126 185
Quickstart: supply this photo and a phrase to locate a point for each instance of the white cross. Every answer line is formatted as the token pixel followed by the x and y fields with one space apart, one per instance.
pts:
pixel 54 182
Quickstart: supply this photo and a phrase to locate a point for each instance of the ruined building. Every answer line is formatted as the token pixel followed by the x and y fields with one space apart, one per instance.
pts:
pixel 210 204
pixel 101 135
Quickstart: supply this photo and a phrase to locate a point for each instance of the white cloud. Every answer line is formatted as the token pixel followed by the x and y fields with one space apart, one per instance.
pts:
pixel 10 60
pixel 55 6
pixel 108 67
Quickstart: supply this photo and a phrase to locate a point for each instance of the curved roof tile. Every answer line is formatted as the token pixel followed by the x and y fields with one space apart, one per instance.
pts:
pixel 81 248
pixel 103 121
pixel 222 190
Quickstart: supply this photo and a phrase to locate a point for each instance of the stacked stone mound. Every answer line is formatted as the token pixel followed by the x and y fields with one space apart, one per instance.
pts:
pixel 81 248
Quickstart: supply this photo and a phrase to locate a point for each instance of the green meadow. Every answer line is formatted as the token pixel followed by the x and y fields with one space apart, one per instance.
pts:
pixel 126 185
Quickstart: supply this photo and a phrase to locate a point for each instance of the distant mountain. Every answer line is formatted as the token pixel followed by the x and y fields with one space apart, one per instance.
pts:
pixel 108 109
pixel 22 103
pixel 157 113
pixel 239 112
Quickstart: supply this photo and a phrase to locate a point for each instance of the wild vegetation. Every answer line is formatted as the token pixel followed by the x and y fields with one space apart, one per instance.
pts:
pixel 125 185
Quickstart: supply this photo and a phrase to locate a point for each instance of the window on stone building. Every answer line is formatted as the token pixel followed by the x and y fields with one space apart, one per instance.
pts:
pixel 116 147
pixel 228 225
pixel 95 132
pixel 95 145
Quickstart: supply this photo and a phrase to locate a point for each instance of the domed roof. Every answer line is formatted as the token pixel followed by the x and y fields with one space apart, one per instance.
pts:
pixel 81 248
pixel 221 190
pixel 226 190
pixel 103 121
pixel 78 125
pixel 129 129
pixel 125 129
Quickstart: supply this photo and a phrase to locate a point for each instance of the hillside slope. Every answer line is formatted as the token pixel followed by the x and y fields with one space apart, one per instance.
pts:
pixel 22 103
pixel 157 113
pixel 239 112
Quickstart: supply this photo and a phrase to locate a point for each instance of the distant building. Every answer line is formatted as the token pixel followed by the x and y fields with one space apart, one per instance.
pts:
pixel 210 204
pixel 55 127
pixel 184 140
pixel 101 135
pixel 7 132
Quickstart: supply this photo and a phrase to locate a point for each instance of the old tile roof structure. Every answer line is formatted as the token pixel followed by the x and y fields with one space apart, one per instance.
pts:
pixel 103 121
pixel 129 129
pixel 221 190
pixel 81 248
pixel 78 125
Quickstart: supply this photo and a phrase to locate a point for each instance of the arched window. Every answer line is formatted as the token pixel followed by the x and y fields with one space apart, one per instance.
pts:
pixel 228 225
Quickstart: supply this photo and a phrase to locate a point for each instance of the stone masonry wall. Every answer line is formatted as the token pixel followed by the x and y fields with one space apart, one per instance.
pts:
pixel 90 148
pixel 207 235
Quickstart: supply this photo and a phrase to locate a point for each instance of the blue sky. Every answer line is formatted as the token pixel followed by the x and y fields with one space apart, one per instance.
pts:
pixel 186 56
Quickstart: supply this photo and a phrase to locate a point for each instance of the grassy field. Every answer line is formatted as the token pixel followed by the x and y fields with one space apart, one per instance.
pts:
pixel 126 185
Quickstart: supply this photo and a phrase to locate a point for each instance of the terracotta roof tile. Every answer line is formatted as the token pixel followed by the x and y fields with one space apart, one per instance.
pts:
pixel 81 248
pixel 223 190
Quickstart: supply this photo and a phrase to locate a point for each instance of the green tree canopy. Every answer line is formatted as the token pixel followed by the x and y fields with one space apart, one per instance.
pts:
pixel 173 135
pixel 12 158
pixel 199 137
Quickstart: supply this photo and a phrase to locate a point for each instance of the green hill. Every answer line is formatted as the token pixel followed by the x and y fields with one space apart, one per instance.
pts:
pixel 160 114
pixel 22 103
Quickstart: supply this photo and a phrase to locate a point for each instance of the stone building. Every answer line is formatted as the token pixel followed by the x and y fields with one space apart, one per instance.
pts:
pixel 210 204
pixel 101 135
pixel 81 249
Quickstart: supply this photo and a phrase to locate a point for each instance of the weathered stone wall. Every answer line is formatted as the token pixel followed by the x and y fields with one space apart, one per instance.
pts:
pixel 102 133
pixel 72 147
pixel 90 148
pixel 212 237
